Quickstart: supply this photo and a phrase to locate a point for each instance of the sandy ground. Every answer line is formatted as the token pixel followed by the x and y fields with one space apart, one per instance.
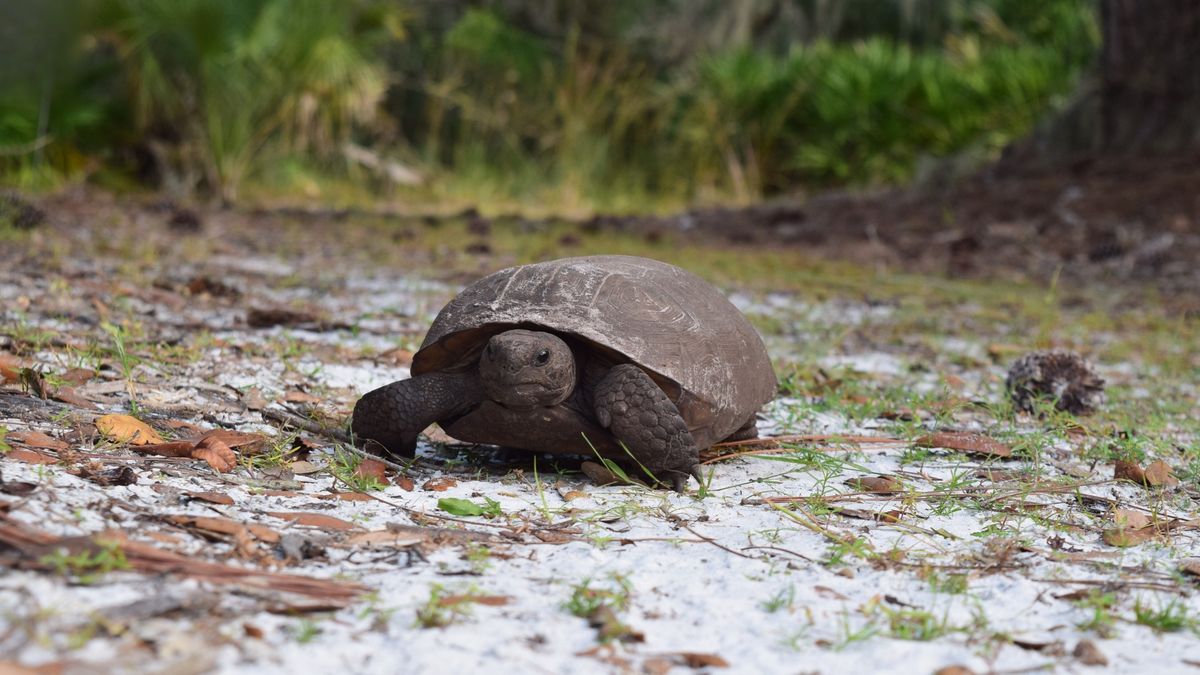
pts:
pixel 780 564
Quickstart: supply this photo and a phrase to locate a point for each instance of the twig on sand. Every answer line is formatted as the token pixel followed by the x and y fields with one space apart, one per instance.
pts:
pixel 33 546
pixel 716 543
pixel 291 419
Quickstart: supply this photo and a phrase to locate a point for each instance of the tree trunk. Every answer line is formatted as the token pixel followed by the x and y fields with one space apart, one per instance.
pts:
pixel 1143 96
pixel 1149 73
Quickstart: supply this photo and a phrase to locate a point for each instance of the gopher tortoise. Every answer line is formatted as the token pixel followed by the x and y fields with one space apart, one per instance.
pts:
pixel 627 357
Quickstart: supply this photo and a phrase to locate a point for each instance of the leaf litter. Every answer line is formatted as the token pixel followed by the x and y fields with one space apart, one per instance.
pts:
pixel 897 519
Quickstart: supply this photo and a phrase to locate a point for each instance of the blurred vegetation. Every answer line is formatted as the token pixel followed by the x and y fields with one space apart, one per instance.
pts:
pixel 570 104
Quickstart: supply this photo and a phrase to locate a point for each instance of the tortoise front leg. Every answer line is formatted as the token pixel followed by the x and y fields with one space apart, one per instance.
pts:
pixel 639 414
pixel 391 417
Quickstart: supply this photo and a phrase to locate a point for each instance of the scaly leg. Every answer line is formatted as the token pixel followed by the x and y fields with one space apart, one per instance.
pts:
pixel 391 417
pixel 639 414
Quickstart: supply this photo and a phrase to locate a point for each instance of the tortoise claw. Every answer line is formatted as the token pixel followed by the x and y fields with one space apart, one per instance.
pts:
pixel 679 482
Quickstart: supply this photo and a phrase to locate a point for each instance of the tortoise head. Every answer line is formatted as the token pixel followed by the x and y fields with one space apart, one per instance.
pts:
pixel 524 369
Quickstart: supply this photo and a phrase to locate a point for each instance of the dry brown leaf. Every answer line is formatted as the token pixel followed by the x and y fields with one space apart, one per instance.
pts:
pixel 1159 473
pixel 1190 566
pixel 371 468
pixel 69 396
pixel 1124 537
pixel 318 520
pixel 977 444
pixel 36 439
pixel 1123 470
pixel 30 456
pixel 702 660
pixel 346 496
pixel 10 368
pixel 1089 654
pixel 34 546
pixel 954 670
pixel 248 443
pixel 827 592
pixel 171 449
pixel 127 429
pixel 384 538
pixel 78 376
pixel 572 495
pixel 300 397
pixel 304 467
pixel 489 600
pixel 397 357
pixel 216 453
pixel 404 482
pixel 439 484
pixel 880 484
pixel 225 526
pixel 1130 519
pixel 212 498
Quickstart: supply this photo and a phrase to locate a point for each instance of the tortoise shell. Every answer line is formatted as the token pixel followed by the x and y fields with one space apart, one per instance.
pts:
pixel 695 344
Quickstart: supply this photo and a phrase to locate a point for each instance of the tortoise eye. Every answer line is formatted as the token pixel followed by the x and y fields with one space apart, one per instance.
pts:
pixel 542 357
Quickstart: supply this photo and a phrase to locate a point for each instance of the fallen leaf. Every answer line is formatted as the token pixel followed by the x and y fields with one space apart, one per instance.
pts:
pixel 17 488
pixel 71 397
pixel 892 516
pixel 880 484
pixel 1124 470
pixel 10 368
pixel 216 453
pixel 212 497
pixel 346 496
pixel 187 427
pixel 247 442
pixel 252 631
pixel 702 660
pixel 827 592
pixel 439 484
pixel 1159 473
pixel 254 399
pixel 226 527
pixel 1124 537
pixel 572 495
pixel 78 376
pixel 403 482
pixel 318 520
pixel 1130 519
pixel 1089 654
pixel 609 627
pixel 384 538
pixel 954 670
pixel 36 439
pixel 304 467
pixel 127 429
pixel 489 600
pixel 110 477
pixel 33 382
pixel 1047 647
pixel 171 449
pixel 966 442
pixel 371 468
pixel 397 356
pixel 29 456
pixel 1190 566
pixel 266 318
pixel 300 397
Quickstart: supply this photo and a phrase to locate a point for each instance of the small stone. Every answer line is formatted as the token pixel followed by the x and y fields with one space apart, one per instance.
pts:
pixel 1089 654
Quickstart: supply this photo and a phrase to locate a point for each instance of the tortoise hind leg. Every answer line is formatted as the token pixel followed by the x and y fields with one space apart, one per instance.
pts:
pixel 746 432
pixel 391 417
pixel 640 415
